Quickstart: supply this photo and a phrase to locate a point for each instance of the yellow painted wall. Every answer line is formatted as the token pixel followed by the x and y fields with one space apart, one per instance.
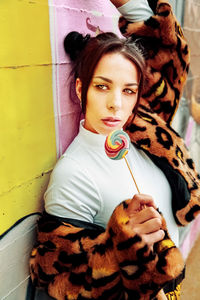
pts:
pixel 27 131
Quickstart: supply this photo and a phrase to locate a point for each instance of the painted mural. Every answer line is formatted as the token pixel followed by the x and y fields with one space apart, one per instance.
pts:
pixel 39 118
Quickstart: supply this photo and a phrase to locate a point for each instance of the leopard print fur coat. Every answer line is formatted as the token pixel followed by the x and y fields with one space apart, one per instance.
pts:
pixel 77 260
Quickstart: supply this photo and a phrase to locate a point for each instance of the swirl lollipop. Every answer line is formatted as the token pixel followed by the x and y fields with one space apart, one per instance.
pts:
pixel 117 145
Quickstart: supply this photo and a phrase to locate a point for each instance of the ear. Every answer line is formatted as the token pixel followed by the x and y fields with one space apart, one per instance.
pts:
pixel 79 88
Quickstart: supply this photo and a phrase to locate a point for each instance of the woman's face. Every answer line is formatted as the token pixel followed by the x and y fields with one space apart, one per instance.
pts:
pixel 112 94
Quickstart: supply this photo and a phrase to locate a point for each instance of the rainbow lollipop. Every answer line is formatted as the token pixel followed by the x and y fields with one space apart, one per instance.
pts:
pixel 117 145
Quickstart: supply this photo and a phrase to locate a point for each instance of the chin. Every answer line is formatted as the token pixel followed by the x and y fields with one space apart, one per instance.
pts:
pixel 107 132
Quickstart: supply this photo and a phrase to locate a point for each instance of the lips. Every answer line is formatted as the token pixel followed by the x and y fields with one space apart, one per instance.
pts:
pixel 111 122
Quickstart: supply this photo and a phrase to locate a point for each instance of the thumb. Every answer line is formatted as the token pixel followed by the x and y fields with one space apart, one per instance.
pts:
pixel 140 201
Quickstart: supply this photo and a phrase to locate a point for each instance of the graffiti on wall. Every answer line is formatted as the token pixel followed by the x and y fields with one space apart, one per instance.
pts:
pixel 90 18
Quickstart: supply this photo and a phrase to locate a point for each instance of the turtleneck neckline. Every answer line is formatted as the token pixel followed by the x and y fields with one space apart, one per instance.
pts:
pixel 91 138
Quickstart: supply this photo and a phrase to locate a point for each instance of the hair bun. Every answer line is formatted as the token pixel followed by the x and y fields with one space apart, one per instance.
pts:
pixel 74 43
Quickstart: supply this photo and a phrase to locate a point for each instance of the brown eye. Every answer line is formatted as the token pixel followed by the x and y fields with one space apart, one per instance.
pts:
pixel 102 86
pixel 129 91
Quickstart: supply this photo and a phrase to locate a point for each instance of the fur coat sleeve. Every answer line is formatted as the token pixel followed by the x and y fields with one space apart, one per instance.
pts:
pixel 75 260
pixel 167 57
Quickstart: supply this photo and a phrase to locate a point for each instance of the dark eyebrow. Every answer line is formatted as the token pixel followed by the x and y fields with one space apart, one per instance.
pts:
pixel 104 78
pixel 131 84
pixel 110 81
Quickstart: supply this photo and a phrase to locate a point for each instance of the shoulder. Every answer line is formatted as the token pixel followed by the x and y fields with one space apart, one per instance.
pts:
pixel 67 170
pixel 73 169
pixel 70 161
pixel 72 191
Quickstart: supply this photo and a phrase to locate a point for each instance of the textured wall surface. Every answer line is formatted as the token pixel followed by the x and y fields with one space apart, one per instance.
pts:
pixel 38 117
pixel 28 149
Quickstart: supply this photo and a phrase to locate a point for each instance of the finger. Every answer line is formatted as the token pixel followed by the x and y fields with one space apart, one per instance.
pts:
pixel 140 200
pixel 148 227
pixel 139 217
pixel 153 237
pixel 145 200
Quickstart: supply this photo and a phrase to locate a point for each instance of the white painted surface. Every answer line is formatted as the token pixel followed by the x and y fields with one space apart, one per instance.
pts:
pixel 19 293
pixel 15 248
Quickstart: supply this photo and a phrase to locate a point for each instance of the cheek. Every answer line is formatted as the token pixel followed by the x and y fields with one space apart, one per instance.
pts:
pixel 131 106
pixel 91 105
pixel 135 101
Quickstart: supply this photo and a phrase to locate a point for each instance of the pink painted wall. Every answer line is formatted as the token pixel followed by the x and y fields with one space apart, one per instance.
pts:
pixel 86 17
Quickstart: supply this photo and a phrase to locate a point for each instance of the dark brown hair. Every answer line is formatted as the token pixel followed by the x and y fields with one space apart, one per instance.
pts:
pixel 86 52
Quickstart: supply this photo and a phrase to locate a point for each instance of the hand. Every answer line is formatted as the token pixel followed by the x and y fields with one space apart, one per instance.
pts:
pixel 145 219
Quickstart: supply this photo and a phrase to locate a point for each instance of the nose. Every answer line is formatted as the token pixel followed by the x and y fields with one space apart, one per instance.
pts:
pixel 114 101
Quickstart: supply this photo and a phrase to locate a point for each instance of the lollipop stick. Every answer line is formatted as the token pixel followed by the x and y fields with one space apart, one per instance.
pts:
pixel 132 174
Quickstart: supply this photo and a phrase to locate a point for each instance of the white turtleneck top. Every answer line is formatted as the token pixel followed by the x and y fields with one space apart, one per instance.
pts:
pixel 87 185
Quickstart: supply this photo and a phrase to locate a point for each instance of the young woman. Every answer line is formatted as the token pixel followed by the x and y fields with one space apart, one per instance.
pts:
pixel 99 238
